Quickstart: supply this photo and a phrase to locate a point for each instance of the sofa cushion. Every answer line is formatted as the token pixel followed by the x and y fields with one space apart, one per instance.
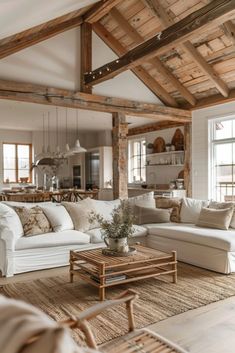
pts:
pixel 96 234
pixel 9 218
pixel 211 218
pixel 221 205
pixel 174 203
pixel 105 208
pixel 33 220
pixel 146 215
pixel 67 237
pixel 190 209
pixel 215 238
pixel 58 217
pixel 144 200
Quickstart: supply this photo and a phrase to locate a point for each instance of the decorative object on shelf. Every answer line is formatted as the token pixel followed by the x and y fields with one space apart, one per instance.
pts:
pixel 181 174
pixel 150 148
pixel 172 185
pixel 159 145
pixel 178 140
pixel 118 229
pixel 168 147
pixel 172 148
pixel 180 184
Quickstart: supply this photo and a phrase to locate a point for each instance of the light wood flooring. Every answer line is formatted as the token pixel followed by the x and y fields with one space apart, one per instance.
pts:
pixel 209 329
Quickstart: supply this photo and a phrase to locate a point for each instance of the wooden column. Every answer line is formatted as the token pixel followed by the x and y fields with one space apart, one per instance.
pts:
pixel 187 159
pixel 86 54
pixel 120 160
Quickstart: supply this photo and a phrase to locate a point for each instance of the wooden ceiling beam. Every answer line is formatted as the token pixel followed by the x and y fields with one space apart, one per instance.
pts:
pixel 206 18
pixel 139 71
pixel 188 47
pixel 26 92
pixel 229 27
pixel 86 53
pixel 46 30
pixel 99 10
pixel 161 125
pixel 213 100
pixel 156 62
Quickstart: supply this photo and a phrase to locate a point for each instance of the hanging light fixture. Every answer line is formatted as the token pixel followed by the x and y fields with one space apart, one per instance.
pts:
pixel 77 148
pixel 68 152
pixel 57 153
pixel 49 154
pixel 42 154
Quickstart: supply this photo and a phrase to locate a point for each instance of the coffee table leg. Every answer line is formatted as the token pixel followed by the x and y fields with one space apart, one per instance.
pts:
pixel 71 268
pixel 102 283
pixel 174 267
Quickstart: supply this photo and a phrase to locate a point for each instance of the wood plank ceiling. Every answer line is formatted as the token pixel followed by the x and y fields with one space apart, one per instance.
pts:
pixel 186 74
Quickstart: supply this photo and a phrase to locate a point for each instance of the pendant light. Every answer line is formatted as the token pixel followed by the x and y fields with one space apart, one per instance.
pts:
pixel 68 152
pixel 57 153
pixel 47 158
pixel 49 154
pixel 77 148
pixel 42 154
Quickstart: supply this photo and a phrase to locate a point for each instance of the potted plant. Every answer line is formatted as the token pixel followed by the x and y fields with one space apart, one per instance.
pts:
pixel 118 229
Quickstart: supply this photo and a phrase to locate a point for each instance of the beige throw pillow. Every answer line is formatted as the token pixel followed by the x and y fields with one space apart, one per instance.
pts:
pixel 173 203
pixel 80 212
pixel 33 220
pixel 147 215
pixel 222 205
pixel 212 218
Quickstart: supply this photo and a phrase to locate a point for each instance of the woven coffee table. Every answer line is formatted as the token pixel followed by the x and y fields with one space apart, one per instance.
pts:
pixel 104 271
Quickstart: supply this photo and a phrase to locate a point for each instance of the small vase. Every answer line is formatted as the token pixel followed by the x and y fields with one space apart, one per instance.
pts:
pixel 117 244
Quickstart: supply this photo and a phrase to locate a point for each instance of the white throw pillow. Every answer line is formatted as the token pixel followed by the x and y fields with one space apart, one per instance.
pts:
pixel 59 217
pixel 105 208
pixel 10 219
pixel 190 209
pixel 144 200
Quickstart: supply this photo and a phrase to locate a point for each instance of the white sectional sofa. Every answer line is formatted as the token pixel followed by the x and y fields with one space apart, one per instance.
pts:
pixel 205 247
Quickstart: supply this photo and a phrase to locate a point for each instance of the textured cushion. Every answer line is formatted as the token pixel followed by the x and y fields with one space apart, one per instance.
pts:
pixel 221 205
pixel 28 204
pixel 9 218
pixel 173 203
pixel 105 208
pixel 33 220
pixel 67 237
pixel 146 215
pixel 96 234
pixel 214 238
pixel 211 218
pixel 144 200
pixel 58 217
pixel 79 212
pixel 190 209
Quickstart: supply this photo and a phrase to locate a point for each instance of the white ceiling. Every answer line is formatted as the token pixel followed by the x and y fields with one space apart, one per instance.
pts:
pixel 55 62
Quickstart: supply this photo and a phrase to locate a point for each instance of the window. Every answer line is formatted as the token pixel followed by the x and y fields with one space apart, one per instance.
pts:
pixel 17 159
pixel 223 159
pixel 137 161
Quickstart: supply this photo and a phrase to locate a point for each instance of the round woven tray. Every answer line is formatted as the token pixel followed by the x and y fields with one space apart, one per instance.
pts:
pixel 109 252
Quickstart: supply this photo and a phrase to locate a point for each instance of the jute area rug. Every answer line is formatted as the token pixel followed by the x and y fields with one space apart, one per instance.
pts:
pixel 159 299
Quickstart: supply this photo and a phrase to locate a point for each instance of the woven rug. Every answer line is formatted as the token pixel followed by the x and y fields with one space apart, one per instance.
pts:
pixel 159 299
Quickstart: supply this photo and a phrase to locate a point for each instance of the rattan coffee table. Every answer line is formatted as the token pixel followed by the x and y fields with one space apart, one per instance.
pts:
pixel 104 271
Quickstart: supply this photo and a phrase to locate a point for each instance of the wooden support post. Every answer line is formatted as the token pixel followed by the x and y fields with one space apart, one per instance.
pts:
pixel 120 162
pixel 86 54
pixel 187 158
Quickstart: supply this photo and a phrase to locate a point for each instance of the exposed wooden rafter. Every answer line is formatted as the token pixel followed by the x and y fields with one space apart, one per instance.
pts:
pixel 86 53
pixel 99 10
pixel 29 37
pixel 32 93
pixel 188 47
pixel 139 71
pixel 161 125
pixel 229 27
pixel 206 18
pixel 156 62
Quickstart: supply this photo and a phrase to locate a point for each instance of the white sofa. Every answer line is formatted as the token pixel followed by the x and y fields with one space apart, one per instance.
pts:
pixel 208 248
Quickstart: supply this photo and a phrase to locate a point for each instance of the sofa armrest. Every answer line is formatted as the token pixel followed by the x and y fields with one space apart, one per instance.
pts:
pixel 7 236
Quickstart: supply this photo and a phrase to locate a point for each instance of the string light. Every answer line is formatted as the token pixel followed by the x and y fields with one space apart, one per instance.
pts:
pixel 117 61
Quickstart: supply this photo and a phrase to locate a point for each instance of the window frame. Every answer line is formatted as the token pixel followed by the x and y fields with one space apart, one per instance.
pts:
pixel 131 155
pixel 213 142
pixel 16 144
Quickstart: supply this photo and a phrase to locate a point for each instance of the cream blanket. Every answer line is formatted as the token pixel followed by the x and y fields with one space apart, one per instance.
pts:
pixel 19 322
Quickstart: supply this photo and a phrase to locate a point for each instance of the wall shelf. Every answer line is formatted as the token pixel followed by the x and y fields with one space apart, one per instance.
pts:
pixel 165 165
pixel 163 153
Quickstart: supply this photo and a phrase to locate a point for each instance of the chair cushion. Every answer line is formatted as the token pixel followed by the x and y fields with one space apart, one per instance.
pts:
pixel 96 234
pixel 190 209
pixel 215 238
pixel 9 218
pixel 58 217
pixel 67 237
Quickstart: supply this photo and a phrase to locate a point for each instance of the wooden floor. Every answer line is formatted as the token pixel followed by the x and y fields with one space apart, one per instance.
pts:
pixel 210 329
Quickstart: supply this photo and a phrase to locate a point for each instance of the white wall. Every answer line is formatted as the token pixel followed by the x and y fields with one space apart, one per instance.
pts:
pixel 200 146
